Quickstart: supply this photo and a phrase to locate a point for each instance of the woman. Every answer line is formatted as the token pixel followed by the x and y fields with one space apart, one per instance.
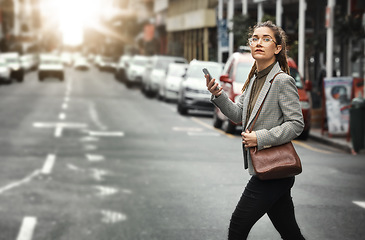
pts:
pixel 279 121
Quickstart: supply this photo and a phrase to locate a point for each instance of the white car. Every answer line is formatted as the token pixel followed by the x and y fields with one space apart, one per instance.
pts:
pixel 13 61
pixel 174 76
pixel 122 66
pixel 50 66
pixel 156 72
pixel 5 72
pixel 136 69
pixel 81 63
pixel 193 92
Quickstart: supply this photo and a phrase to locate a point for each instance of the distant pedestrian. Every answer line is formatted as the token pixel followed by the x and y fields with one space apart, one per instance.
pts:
pixel 279 121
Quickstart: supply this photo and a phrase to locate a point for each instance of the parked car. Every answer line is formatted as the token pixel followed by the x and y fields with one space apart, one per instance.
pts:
pixel 156 72
pixel 50 66
pixel 193 93
pixel 28 62
pixel 233 78
pixel 81 63
pixel 106 64
pixel 174 76
pixel 136 69
pixel 303 88
pixel 5 72
pixel 13 61
pixel 121 69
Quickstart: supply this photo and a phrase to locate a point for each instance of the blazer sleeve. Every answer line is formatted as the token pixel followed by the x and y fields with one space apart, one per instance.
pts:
pixel 293 123
pixel 230 109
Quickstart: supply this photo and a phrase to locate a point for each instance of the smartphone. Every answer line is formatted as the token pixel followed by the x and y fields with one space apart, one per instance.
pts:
pixel 206 72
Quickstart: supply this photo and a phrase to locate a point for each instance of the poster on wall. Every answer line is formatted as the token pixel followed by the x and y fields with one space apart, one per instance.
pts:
pixel 338 101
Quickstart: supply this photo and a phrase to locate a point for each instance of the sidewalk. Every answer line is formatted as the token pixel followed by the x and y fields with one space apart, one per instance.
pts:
pixel 335 141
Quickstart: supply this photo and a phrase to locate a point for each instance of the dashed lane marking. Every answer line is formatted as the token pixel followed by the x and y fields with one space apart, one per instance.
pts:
pixel 20 182
pixel 27 228
pixel 59 126
pixel 95 158
pixel 98 174
pixel 62 116
pixel 64 106
pixel 112 217
pixel 187 129
pixel 359 203
pixel 90 147
pixel 106 134
pixel 106 191
pixel 48 164
pixel 211 127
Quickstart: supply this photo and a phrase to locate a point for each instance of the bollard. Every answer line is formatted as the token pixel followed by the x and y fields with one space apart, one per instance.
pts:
pixel 357 123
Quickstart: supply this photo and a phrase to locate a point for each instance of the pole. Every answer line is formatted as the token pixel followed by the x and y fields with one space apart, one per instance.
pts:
pixel 301 36
pixel 279 11
pixel 329 25
pixel 230 25
pixel 260 12
pixel 220 18
pixel 244 7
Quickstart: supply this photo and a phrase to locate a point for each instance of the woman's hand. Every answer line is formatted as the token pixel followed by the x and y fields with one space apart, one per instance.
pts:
pixel 249 138
pixel 213 86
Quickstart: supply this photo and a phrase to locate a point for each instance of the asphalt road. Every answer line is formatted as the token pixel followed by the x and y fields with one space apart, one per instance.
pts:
pixel 88 158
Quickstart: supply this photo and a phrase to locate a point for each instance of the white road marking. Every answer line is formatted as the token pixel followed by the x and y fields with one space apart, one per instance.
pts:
pixel 95 117
pixel 66 99
pixel 58 132
pixel 89 139
pixel 48 164
pixel 112 217
pixel 20 182
pixel 64 106
pixel 106 134
pixel 90 147
pixel 95 158
pixel 75 168
pixel 62 116
pixel 27 228
pixel 359 203
pixel 99 174
pixel 106 191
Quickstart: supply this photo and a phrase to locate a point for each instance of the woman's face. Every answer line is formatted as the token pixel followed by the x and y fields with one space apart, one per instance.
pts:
pixel 263 45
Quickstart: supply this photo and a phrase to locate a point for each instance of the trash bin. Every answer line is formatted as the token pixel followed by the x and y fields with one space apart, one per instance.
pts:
pixel 357 123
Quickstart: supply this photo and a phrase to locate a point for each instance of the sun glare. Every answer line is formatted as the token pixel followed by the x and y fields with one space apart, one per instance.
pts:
pixel 72 17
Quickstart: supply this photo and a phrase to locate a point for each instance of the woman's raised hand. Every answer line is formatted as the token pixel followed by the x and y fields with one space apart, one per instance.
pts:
pixel 213 87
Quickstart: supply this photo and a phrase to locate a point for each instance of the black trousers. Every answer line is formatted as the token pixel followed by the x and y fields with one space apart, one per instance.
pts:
pixel 259 197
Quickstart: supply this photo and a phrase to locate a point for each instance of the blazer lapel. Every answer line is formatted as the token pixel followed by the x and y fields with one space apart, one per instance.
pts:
pixel 246 100
pixel 263 92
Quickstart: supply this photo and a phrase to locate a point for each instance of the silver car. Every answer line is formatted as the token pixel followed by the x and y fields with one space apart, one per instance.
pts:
pixel 193 93
pixel 136 70
pixel 171 85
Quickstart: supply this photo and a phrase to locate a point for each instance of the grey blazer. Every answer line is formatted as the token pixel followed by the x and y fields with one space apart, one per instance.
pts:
pixel 280 119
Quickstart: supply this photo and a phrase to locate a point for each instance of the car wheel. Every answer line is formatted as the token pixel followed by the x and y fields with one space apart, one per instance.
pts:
pixel 228 126
pixel 182 110
pixel 217 123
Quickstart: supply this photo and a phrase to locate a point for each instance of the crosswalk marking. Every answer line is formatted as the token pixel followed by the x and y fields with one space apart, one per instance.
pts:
pixel 48 165
pixel 27 228
pixel 359 203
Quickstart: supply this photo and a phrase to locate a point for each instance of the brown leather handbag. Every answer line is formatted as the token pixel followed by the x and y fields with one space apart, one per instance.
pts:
pixel 275 162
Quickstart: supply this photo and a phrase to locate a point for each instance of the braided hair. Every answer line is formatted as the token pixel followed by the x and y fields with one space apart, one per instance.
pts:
pixel 281 57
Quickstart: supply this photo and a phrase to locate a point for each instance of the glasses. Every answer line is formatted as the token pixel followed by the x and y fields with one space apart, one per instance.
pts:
pixel 265 41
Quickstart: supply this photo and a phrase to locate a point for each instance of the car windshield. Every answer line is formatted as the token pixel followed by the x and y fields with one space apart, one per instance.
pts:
pixel 243 69
pixel 295 74
pixel 195 71
pixel 176 71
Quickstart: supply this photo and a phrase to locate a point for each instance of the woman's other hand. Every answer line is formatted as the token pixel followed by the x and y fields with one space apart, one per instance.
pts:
pixel 249 138
pixel 213 86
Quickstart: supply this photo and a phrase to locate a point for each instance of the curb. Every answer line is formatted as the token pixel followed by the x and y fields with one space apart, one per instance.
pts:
pixel 341 144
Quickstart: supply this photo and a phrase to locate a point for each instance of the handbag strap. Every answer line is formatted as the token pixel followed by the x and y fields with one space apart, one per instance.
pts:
pixel 258 112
